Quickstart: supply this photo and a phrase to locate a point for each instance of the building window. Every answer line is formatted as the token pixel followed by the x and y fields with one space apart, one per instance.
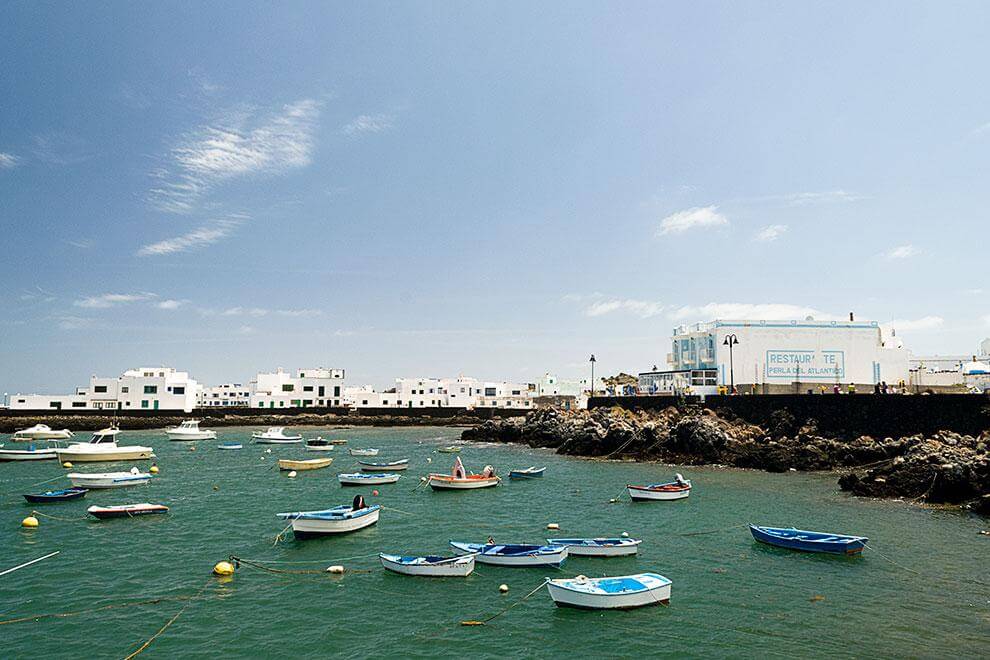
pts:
pixel 144 403
pixel 336 390
pixel 178 390
pixel 124 390
pixel 78 404
pixel 150 389
pixel 100 388
pixel 288 388
pixel 489 391
pixel 307 388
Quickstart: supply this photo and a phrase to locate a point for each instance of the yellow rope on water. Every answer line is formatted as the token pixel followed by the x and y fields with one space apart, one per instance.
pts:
pixel 472 622
pixel 102 608
pixel 169 622
pixel 45 515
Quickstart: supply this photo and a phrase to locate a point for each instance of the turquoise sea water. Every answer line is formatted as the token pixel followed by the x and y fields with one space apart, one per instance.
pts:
pixel 731 596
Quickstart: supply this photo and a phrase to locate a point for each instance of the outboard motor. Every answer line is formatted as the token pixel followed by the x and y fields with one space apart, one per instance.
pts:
pixel 358 502
pixel 679 479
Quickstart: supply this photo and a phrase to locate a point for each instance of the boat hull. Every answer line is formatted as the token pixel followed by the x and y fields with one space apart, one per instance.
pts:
pixel 821 542
pixel 86 455
pixel 198 435
pixel 230 447
pixel 644 494
pixel 527 474
pixel 364 452
pixel 366 479
pixel 566 596
pixel 444 482
pixel 489 555
pixel 305 528
pixel 277 441
pixel 319 447
pixel 578 548
pixel 57 496
pixel 311 464
pixel 27 455
pixel 453 567
pixel 126 511
pixel 121 480
pixel 379 467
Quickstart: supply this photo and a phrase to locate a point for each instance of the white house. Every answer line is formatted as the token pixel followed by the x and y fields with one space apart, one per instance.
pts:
pixel 227 395
pixel 778 356
pixel 318 387
pixel 147 388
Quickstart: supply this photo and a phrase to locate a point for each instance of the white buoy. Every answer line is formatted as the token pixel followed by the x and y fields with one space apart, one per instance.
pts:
pixel 625 535
pixel 553 526
pixel 422 478
pixel 503 588
pixel 336 569
pixel 268 451
pixel 292 473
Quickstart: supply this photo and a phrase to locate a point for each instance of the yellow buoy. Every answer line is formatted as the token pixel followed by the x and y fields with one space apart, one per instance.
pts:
pixel 335 569
pixel 503 588
pixel 30 521
pixel 223 568
pixel 553 526
pixel 153 469
pixel 67 464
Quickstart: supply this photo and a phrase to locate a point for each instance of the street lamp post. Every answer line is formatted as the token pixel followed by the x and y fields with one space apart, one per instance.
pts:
pixel 592 360
pixel 730 341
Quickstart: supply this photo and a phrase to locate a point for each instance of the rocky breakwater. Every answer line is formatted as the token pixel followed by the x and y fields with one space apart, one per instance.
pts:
pixel 944 468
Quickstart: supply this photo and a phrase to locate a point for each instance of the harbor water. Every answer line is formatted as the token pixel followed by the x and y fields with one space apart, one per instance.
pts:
pixel 920 589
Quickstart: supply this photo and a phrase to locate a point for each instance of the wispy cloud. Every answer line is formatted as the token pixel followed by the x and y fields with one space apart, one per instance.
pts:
pixel 237 145
pixel 923 323
pixel 198 238
pixel 753 311
pixel 902 252
pixel 261 311
pixel 82 243
pixel 38 294
pixel 105 300
pixel 369 124
pixel 62 149
pixel 770 233
pixel 693 218
pixel 807 198
pixel 69 322
pixel 170 304
pixel 8 160
pixel 642 308
pixel 980 131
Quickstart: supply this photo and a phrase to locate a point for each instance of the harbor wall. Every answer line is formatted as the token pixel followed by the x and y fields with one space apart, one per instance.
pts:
pixel 847 415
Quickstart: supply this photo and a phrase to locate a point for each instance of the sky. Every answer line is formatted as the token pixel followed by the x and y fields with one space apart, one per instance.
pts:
pixel 490 189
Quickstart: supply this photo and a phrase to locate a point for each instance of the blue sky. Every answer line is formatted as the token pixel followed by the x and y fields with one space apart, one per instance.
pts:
pixel 490 189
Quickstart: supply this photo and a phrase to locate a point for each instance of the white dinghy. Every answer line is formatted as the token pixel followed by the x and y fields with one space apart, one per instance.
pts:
pixel 41 432
pixel 276 435
pixel 338 520
pixel 430 565
pixel 364 479
pixel 109 479
pixel 30 453
pixel 513 554
pixel 610 593
pixel 619 547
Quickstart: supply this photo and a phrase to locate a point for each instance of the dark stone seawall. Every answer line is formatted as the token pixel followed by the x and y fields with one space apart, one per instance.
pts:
pixel 88 420
pixel 842 415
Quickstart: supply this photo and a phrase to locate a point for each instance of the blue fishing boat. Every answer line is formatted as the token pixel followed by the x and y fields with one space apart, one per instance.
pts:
pixel 63 495
pixel 529 473
pixel 513 554
pixel 800 539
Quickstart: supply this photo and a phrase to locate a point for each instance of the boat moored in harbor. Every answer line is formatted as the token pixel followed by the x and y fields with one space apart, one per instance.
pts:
pixel 230 445
pixel 310 464
pixel 805 541
pixel 126 510
pixel 532 472
pixel 30 453
pixel 63 495
pixel 678 489
pixel 276 435
pixel 459 479
pixel 338 520
pixel 319 444
pixel 601 547
pixel 102 448
pixel 108 479
pixel 41 432
pixel 513 554
pixel 189 430
pixel 610 593
pixel 364 452
pixel 391 466
pixel 365 479
pixel 430 565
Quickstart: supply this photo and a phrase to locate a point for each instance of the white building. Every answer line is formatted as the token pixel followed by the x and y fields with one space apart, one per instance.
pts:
pixel 778 357
pixel 308 388
pixel 460 392
pixel 148 388
pixel 227 395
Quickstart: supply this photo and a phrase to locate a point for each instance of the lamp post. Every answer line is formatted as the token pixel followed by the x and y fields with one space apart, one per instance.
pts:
pixel 592 361
pixel 730 341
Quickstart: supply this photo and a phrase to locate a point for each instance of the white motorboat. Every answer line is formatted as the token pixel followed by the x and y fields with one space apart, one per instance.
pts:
pixel 108 479
pixel 31 453
pixel 610 593
pixel 103 447
pixel 598 547
pixel 340 519
pixel 319 444
pixel 189 430
pixel 364 479
pixel 276 435
pixel 430 565
pixel 41 432
pixel 513 554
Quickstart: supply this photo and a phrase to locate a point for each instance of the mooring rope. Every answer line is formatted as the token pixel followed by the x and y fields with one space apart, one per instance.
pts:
pixel 712 531
pixel 35 512
pixel 307 561
pixel 39 483
pixel 280 535
pixel 498 614
pixel 283 571
pixel 170 621
pixel 102 608
pixel 28 563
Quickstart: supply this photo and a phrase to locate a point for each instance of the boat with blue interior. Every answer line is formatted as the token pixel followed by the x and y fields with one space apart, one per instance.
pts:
pixel 806 541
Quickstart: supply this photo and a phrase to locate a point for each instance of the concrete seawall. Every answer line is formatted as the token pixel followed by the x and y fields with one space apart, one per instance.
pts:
pixel 847 415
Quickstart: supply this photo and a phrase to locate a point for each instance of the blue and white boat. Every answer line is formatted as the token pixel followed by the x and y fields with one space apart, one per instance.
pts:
pixel 364 479
pixel 429 566
pixel 62 495
pixel 800 539
pixel 513 554
pixel 340 519
pixel 230 445
pixel 531 472
pixel 391 466
pixel 610 593
pixel 598 547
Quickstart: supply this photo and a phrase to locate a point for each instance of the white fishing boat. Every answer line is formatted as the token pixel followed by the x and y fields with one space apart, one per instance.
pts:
pixel 319 444
pixel 40 432
pixel 310 464
pixel 391 466
pixel 600 547
pixel 610 593
pixel 230 445
pixel 513 554
pixel 103 447
pixel 30 453
pixel 108 479
pixel 430 565
pixel 364 479
pixel 189 430
pixel 276 435
pixel 678 489
pixel 459 479
pixel 364 452
pixel 338 520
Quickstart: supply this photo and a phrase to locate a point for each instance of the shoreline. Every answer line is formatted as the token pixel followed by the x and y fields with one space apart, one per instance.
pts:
pixel 945 468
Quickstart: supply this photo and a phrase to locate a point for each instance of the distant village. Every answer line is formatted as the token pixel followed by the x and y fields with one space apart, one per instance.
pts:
pixel 717 357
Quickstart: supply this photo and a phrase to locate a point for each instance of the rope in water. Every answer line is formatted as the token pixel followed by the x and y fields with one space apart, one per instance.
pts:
pixel 35 512
pixel 712 531
pixel 498 614
pixel 39 483
pixel 307 561
pixel 283 571
pixel 33 561
pixel 168 623
pixel 102 608
pixel 388 508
